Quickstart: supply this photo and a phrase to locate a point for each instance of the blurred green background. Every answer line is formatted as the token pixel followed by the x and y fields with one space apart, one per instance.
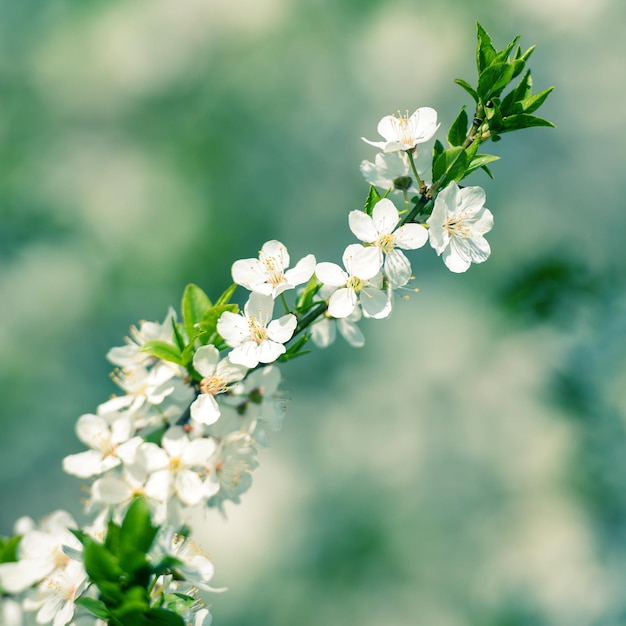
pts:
pixel 468 466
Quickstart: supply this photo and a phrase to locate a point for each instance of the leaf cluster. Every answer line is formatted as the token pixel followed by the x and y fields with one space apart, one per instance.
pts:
pixel 497 69
pixel 197 328
pixel 123 574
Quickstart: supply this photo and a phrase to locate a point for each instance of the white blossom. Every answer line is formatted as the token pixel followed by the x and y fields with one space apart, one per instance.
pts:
pixel 404 132
pixel 360 282
pixel 254 336
pixel 392 171
pixel 379 230
pixel 175 466
pixel 268 275
pixel 217 375
pixel 457 225
pixel 324 331
pixel 109 443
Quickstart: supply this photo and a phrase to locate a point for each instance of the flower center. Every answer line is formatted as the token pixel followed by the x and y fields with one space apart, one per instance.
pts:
pixel 258 333
pixel 403 129
pixel 455 227
pixel 274 271
pixel 385 243
pixel 175 465
pixel 355 283
pixel 213 385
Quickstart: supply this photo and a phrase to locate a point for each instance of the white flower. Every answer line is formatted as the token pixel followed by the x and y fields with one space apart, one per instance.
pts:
pixel 217 376
pixel 380 231
pixel 268 274
pixel 361 282
pixel 40 553
pixel 108 442
pixel 253 336
pixel 56 595
pixel 130 355
pixel 457 225
pixel 392 171
pixel 196 567
pixel 402 132
pixel 175 466
pixel 231 466
pixel 324 331
pixel 146 385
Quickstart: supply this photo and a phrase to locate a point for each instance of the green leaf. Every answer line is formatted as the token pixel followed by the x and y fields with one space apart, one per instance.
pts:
pixel 494 79
pixel 523 90
pixel 450 165
pixel 372 198
pixel 137 530
pixel 163 617
pixel 465 85
pixel 487 171
pixel 485 52
pixel 100 564
pixel 194 305
pixel 95 607
pixel 437 151
pixel 163 350
pixel 178 602
pixel 305 299
pixel 532 103
pixel 458 130
pixel 8 548
pixel 295 349
pixel 112 538
pixel 503 55
pixel 178 336
pixel 481 161
pixel 227 295
pixel 516 122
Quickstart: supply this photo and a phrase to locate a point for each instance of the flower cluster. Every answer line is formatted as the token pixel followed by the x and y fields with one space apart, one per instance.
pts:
pixel 200 391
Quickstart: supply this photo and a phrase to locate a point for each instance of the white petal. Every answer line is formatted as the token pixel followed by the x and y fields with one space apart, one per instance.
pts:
pixel 375 303
pixel 16 577
pixel 330 274
pixel 92 430
pixel 387 128
pixel 159 485
pixel 342 303
pixel 88 463
pixel 233 328
pixel 269 351
pixel 190 487
pixel 473 198
pixel 323 333
pixel 302 271
pixel 366 262
pixel 276 252
pixel 351 333
pixel 282 329
pixel 110 490
pixel 259 306
pixel 397 268
pixel 174 441
pixel 198 451
pixel 248 272
pixel 410 236
pixel 205 360
pixel 424 124
pixel 231 372
pixel 151 457
pixel 246 354
pixel 204 409
pixel 362 226
pixel 385 216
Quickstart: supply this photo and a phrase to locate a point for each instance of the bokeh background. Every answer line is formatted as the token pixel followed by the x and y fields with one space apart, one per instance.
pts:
pixel 468 466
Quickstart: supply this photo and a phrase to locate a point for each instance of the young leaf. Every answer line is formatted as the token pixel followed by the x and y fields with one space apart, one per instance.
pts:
pixel 437 151
pixel 485 52
pixel 481 161
pixel 470 90
pixel 8 548
pixel 162 617
pixel 227 295
pixel 137 530
pixel 532 103
pixel 503 55
pixel 95 607
pixel 494 79
pixel 194 305
pixel 450 165
pixel 305 299
pixel 516 122
pixel 458 130
pixel 519 93
pixel 372 198
pixel 178 336
pixel 162 350
pixel 209 321
pixel 100 564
